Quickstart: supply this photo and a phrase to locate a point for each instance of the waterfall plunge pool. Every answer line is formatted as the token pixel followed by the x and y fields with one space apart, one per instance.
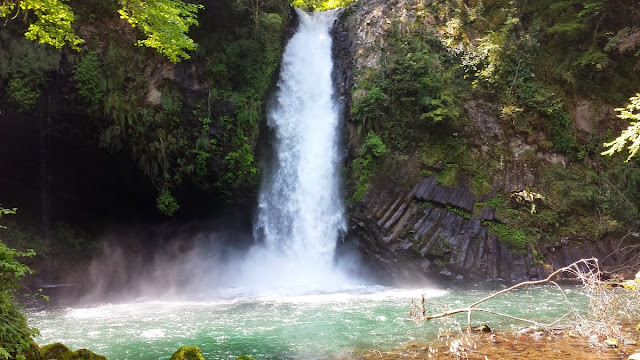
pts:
pixel 317 326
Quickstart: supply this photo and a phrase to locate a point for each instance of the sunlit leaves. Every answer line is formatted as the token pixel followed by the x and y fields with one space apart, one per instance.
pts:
pixel 320 5
pixel 165 23
pixel 53 24
pixel 631 134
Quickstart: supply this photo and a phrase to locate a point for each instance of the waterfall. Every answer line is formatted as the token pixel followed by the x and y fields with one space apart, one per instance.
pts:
pixel 300 210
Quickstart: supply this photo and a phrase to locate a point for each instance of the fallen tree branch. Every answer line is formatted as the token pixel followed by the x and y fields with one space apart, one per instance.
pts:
pixel 574 269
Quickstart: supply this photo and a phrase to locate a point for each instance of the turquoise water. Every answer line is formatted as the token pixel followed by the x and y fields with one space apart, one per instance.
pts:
pixel 320 326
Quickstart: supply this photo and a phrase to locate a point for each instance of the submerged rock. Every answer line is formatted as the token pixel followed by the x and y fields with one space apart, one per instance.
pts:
pixel 59 351
pixel 187 353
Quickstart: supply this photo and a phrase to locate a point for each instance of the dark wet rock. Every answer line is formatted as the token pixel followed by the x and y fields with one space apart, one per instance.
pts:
pixel 459 197
pixel 407 234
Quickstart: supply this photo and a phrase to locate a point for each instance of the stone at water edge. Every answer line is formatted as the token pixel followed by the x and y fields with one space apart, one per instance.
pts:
pixel 611 342
pixel 635 356
pixel 187 353
pixel 59 351
pixel 482 328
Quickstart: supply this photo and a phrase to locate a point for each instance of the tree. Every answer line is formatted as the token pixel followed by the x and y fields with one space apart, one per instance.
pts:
pixel 631 134
pixel 53 24
pixel 165 23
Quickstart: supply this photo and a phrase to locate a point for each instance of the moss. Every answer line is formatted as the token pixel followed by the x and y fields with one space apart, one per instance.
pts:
pixel 56 351
pixel 448 176
pixel 187 353
pixel 459 212
pixel 516 239
pixel 59 351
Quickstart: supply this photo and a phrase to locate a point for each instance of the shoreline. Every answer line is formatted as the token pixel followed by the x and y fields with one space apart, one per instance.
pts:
pixel 508 345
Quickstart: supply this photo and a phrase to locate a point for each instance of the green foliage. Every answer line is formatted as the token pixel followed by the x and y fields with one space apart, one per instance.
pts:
pixel 459 212
pixel 54 20
pixel 165 23
pixel 372 147
pixel 24 88
pixel 166 203
pixel 320 5
pixel 370 158
pixel 73 240
pixel 26 65
pixel 90 80
pixel 448 175
pixel 15 335
pixel 513 238
pixel 632 134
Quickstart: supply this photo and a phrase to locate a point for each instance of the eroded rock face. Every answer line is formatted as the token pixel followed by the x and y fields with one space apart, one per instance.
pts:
pixel 429 231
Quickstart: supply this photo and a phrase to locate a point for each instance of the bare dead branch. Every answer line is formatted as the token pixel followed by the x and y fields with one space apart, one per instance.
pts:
pixel 573 269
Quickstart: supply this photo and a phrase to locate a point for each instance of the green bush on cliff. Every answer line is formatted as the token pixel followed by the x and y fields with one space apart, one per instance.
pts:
pixel 15 335
pixel 370 158
pixel 89 79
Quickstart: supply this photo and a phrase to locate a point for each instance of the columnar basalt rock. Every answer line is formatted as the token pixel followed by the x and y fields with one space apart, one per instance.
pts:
pixel 405 234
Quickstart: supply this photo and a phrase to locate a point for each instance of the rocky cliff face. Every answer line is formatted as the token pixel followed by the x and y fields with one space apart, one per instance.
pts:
pixel 428 231
pixel 409 223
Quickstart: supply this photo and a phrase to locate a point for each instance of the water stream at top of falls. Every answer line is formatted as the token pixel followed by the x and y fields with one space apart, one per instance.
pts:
pixel 300 210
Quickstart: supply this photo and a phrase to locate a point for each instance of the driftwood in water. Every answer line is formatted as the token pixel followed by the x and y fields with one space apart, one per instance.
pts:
pixel 586 270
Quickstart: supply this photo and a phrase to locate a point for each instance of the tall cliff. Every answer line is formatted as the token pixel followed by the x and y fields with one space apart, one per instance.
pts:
pixel 475 131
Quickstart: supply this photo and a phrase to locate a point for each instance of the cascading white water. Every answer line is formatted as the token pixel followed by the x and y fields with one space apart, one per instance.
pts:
pixel 300 211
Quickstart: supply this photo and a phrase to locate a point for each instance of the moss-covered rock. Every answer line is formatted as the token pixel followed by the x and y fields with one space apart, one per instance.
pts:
pixel 34 353
pixel 58 351
pixel 187 353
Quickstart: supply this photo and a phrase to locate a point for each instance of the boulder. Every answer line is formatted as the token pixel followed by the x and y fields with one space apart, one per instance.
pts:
pixel 635 356
pixel 187 353
pixel 59 351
